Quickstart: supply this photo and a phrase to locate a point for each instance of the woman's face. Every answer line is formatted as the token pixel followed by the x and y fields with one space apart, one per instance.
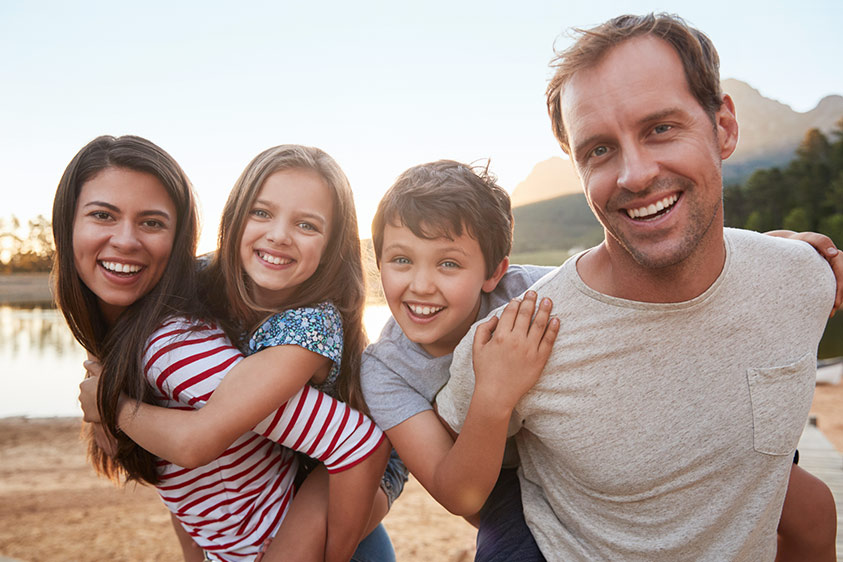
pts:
pixel 123 233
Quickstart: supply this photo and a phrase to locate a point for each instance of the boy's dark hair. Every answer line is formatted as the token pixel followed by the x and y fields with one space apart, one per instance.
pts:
pixel 440 199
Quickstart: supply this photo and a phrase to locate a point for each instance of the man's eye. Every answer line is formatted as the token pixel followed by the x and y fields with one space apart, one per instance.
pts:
pixel 659 129
pixel 599 151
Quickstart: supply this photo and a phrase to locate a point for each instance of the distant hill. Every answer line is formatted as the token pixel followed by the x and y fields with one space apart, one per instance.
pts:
pixel 770 131
pixel 561 223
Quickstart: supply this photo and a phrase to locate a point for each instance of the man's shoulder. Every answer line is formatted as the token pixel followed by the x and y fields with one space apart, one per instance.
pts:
pixel 754 247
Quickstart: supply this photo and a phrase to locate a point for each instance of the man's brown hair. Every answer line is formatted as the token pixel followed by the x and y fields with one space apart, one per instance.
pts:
pixel 696 51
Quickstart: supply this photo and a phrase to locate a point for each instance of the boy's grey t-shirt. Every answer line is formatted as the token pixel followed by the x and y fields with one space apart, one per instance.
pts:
pixel 400 379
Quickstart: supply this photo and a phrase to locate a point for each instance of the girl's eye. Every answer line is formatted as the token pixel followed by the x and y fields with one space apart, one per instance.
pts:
pixel 400 260
pixel 308 226
pixel 259 213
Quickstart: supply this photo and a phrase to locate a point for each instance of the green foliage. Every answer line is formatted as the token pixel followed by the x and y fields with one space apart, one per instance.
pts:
pixel 27 248
pixel 557 225
pixel 806 195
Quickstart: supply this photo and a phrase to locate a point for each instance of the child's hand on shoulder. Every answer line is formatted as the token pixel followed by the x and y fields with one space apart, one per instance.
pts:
pixel 509 353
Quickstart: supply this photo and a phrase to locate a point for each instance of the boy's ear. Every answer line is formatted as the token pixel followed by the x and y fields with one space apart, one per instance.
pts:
pixel 492 282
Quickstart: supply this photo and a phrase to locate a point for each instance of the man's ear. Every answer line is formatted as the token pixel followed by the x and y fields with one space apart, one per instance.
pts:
pixel 492 282
pixel 727 127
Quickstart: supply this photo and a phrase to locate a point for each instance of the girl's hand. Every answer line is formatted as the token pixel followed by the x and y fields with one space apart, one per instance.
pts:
pixel 104 439
pixel 826 248
pixel 509 353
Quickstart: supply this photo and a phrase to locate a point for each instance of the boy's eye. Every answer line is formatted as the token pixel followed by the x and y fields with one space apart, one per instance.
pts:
pixel 450 264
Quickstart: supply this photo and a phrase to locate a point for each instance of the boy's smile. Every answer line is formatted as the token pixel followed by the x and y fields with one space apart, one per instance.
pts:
pixel 433 287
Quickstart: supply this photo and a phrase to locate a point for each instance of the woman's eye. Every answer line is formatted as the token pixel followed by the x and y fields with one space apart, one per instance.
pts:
pixel 156 224
pixel 101 215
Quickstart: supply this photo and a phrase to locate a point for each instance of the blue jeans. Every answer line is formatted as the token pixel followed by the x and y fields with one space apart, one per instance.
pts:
pixel 376 547
pixel 503 535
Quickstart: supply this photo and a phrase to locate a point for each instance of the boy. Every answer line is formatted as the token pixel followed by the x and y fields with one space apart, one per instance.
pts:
pixel 442 235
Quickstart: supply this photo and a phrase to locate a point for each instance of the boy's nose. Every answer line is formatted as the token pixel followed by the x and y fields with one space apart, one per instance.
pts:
pixel 422 283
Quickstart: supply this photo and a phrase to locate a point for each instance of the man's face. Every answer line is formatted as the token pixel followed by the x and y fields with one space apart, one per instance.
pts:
pixel 647 153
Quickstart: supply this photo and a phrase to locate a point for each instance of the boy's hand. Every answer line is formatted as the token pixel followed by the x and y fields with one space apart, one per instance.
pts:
pixel 826 248
pixel 509 353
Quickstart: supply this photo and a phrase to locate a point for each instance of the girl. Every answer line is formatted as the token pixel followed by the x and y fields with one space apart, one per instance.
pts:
pixel 288 242
pixel 125 226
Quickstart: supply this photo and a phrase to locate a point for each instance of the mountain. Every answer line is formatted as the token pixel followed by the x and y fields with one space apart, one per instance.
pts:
pixel 770 131
pixel 549 178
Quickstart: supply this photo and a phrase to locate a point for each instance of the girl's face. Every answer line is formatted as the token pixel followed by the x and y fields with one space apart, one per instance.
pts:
pixel 286 232
pixel 123 233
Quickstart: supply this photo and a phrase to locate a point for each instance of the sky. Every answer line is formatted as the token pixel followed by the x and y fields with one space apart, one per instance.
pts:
pixel 380 86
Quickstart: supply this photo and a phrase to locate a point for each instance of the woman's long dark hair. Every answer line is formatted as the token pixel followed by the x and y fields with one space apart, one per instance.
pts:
pixel 120 347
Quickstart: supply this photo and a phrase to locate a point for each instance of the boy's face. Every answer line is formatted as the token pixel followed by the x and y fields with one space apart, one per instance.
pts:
pixel 433 287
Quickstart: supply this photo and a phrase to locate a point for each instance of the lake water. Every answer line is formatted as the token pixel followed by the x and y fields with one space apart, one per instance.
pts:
pixel 41 363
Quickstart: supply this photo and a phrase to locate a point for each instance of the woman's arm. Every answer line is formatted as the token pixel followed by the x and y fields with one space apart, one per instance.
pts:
pixel 248 393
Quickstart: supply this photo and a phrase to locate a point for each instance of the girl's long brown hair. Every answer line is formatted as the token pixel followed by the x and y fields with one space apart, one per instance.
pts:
pixel 120 347
pixel 338 279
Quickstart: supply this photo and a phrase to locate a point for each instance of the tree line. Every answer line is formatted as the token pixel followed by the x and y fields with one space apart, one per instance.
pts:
pixel 26 247
pixel 807 194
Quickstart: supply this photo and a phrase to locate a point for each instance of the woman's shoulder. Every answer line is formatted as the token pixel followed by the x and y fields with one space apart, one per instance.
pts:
pixel 177 329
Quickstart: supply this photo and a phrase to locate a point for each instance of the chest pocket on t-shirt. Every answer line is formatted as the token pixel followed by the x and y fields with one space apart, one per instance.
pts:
pixel 781 399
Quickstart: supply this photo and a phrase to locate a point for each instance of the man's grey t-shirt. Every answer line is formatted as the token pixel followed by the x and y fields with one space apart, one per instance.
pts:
pixel 400 379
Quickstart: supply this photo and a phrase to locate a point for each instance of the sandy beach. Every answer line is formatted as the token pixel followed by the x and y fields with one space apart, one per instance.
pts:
pixel 53 506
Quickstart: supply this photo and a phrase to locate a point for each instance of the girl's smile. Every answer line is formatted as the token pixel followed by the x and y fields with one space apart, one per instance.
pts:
pixel 286 233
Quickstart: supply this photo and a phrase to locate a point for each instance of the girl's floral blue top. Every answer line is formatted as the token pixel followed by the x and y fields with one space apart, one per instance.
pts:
pixel 316 328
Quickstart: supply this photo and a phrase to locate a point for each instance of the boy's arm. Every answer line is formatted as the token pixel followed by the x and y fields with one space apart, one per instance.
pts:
pixel 250 391
pixel 826 248
pixel 460 475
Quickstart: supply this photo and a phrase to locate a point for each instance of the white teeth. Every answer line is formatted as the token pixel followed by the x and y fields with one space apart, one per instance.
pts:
pixel 652 209
pixel 425 310
pixel 117 267
pixel 273 259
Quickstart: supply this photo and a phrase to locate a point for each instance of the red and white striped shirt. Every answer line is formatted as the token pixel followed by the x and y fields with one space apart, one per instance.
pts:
pixel 231 505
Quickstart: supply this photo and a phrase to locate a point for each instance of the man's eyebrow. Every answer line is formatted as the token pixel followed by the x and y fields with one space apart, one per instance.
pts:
pixel 649 118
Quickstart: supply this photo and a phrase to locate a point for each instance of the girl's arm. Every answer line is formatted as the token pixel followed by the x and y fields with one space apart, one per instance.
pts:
pixel 509 354
pixel 248 393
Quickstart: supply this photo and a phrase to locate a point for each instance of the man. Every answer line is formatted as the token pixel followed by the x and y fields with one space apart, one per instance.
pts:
pixel 664 424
